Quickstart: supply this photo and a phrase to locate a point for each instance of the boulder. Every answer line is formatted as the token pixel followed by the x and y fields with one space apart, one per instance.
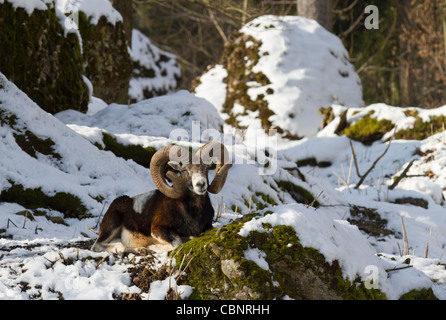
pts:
pixel 277 71
pixel 41 58
pixel 106 55
pixel 264 265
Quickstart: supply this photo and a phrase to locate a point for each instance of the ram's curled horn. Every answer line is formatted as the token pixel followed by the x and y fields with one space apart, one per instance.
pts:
pixel 160 169
pixel 215 152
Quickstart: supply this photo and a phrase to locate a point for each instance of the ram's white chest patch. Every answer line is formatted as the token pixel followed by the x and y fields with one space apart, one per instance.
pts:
pixel 140 201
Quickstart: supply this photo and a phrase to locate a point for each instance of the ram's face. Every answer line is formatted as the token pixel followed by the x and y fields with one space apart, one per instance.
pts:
pixel 193 167
pixel 195 176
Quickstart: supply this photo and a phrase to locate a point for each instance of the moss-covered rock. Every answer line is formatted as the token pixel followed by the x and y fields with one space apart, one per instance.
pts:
pixel 137 153
pixel 41 60
pixel 106 58
pixel 368 129
pixel 369 221
pixel 421 130
pixel 220 269
pixel 298 193
pixel 422 294
pixel 70 205
pixel 30 143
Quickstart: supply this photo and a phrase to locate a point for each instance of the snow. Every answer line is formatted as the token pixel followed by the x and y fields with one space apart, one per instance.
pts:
pixel 163 65
pixel 29 5
pixel 93 9
pixel 257 256
pixel 314 228
pixel 40 259
pixel 149 122
pixel 308 68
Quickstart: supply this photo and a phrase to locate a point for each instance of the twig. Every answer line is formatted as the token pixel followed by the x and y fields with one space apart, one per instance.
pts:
pixel 92 230
pixel 24 221
pixel 362 177
pixel 396 269
pixel 250 204
pixel 102 260
pixel 315 199
pixel 100 215
pixel 426 252
pixel 219 209
pixel 402 175
pixel 406 241
pixel 52 262
pixel 7 224
pixel 62 257
pixel 182 271
pixel 399 249
pixel 352 27
pixel 217 25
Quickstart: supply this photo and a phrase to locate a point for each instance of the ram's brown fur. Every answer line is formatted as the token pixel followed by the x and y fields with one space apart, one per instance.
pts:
pixel 157 221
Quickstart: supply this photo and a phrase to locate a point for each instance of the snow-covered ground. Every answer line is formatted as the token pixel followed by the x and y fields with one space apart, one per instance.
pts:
pixel 40 259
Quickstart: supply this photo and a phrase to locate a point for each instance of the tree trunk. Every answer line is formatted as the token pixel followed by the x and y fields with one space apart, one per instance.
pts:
pixel 405 60
pixel 319 10
pixel 126 10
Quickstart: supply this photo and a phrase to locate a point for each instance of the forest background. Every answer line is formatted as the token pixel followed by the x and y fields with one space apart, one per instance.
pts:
pixel 402 62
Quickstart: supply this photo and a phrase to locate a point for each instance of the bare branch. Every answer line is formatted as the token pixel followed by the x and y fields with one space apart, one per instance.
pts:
pixel 362 177
pixel 402 175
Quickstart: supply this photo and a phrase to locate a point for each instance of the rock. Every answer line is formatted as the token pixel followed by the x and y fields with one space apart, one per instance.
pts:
pixel 155 72
pixel 220 269
pixel 279 70
pixel 231 269
pixel 106 58
pixel 41 59
pixel 413 201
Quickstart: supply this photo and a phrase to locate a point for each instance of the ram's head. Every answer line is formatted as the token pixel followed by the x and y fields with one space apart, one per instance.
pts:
pixel 192 168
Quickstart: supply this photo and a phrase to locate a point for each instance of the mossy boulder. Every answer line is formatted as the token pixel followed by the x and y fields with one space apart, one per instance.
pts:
pixel 422 294
pixel 106 58
pixel 368 129
pixel 298 193
pixel 141 155
pixel 41 60
pixel 70 205
pixel 220 268
pixel 422 129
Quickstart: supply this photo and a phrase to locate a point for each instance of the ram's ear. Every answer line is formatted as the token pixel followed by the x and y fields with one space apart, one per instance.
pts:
pixel 175 165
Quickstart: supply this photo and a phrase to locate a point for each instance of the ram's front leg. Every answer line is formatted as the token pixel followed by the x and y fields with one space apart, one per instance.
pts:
pixel 166 239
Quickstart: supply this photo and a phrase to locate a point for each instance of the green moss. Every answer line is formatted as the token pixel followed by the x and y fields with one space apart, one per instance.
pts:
pixel 107 61
pixel 294 270
pixel 26 213
pixel 298 193
pixel 423 294
pixel 267 200
pixel 43 62
pixel 31 144
pixel 7 118
pixel 313 163
pixel 369 221
pixel 368 129
pixel 68 204
pixel 137 153
pixel 239 60
pixel 57 220
pixel 421 130
pixel 206 272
